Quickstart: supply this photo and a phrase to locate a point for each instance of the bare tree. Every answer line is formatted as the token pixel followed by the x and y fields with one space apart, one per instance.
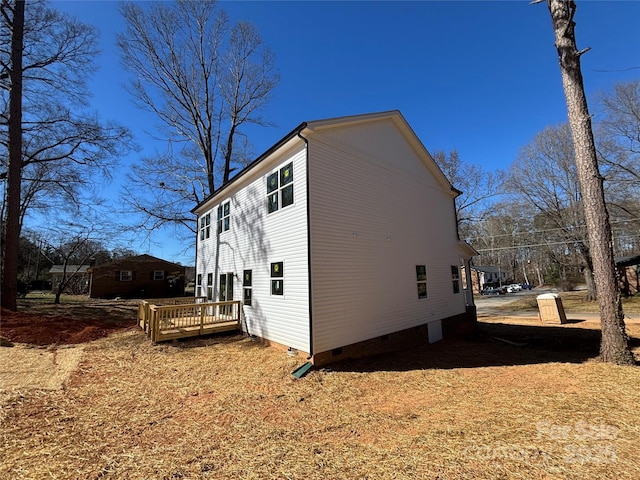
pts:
pixel 621 119
pixel 247 79
pixel 544 174
pixel 479 189
pixel 62 147
pixel 614 347
pixel 74 246
pixel 204 81
pixel 77 243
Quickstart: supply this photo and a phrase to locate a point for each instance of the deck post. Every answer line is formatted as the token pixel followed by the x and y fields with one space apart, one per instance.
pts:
pixel 153 321
pixel 202 311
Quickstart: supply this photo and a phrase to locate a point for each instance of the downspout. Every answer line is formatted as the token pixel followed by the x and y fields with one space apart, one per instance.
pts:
pixel 306 142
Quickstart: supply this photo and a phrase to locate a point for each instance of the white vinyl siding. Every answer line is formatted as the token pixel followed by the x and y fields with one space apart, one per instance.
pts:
pixel 255 240
pixel 376 213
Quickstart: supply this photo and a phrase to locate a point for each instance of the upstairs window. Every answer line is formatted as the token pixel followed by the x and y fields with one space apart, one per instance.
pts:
pixel 205 226
pixel 224 212
pixel 421 279
pixel 455 278
pixel 280 188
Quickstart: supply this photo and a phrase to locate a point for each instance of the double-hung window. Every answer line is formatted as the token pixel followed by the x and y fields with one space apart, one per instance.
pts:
pixel 421 279
pixel 455 278
pixel 280 188
pixel 199 285
pixel 224 213
pixel 277 278
pixel 247 287
pixel 205 226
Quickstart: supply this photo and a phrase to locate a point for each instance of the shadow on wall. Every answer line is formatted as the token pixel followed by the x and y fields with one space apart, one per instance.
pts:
pixel 248 230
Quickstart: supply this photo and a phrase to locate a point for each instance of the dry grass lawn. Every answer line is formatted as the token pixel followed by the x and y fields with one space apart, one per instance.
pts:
pixel 575 302
pixel 224 407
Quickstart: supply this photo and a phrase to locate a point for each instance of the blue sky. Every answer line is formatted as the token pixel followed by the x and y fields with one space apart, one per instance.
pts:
pixel 481 77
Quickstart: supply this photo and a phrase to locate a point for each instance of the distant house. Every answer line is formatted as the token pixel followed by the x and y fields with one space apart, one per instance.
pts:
pixel 77 276
pixel 629 274
pixel 141 276
pixel 340 240
pixel 487 276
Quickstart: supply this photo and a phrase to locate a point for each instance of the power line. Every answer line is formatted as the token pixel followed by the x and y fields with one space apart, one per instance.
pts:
pixel 531 245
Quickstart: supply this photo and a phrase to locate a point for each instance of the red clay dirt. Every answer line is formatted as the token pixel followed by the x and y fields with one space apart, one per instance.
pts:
pixel 54 330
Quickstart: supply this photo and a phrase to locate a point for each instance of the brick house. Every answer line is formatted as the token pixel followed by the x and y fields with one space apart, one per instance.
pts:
pixel 141 276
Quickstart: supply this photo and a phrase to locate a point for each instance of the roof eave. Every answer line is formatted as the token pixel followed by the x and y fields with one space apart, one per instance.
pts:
pixel 249 167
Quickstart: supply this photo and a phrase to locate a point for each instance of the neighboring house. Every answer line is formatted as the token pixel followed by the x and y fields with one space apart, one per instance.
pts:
pixel 629 274
pixel 484 277
pixel 77 276
pixel 141 276
pixel 340 240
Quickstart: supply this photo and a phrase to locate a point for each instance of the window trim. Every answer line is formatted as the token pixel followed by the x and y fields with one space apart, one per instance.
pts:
pixel 210 286
pixel 421 281
pixel 276 275
pixel 455 278
pixel 205 226
pixel 284 180
pixel 224 217
pixel 247 287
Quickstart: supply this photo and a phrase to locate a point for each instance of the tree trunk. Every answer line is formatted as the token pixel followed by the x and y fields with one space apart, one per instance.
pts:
pixel 540 276
pixel 228 152
pixel 614 347
pixel 14 173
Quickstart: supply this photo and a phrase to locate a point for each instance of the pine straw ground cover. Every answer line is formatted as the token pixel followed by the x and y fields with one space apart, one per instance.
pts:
pixel 224 407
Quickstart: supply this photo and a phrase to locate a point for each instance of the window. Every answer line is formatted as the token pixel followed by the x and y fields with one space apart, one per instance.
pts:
pixel 209 286
pixel 277 278
pixel 158 274
pixel 199 285
pixel 280 188
pixel 421 279
pixel 126 275
pixel 246 287
pixel 455 278
pixel 205 226
pixel 223 217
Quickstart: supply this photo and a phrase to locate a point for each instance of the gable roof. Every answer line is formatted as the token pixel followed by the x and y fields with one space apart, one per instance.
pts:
pixel 339 122
pixel 144 258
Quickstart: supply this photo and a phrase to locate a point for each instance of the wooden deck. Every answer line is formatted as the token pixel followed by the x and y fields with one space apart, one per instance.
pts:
pixel 169 322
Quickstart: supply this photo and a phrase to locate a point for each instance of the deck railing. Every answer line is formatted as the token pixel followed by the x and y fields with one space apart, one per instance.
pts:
pixel 166 322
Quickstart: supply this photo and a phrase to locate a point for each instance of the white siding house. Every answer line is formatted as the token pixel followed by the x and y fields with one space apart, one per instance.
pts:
pixel 338 239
